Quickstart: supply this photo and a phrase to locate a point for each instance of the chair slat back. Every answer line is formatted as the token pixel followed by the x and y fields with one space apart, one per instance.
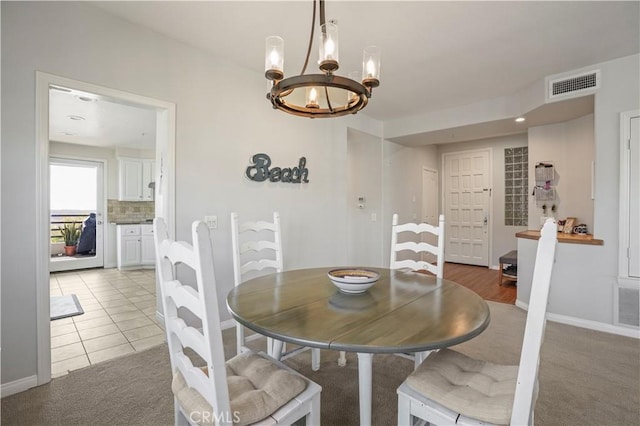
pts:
pixel 524 399
pixel 256 246
pixel 251 252
pixel 419 247
pixel 201 301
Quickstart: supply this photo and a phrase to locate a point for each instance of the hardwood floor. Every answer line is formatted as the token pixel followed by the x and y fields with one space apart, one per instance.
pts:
pixel 482 280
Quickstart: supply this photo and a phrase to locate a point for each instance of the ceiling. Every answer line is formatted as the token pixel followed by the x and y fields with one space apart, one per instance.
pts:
pixel 435 55
pixel 88 119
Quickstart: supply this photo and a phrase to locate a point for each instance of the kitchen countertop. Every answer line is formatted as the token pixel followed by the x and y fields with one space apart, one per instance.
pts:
pixel 563 238
pixel 133 222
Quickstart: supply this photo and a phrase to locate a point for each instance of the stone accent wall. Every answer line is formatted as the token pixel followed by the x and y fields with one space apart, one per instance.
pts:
pixel 130 211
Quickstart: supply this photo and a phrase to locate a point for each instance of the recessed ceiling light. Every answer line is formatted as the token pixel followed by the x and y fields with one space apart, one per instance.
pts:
pixel 519 119
pixel 75 117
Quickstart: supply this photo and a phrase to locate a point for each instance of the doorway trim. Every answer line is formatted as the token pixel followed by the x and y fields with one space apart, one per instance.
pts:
pixel 165 204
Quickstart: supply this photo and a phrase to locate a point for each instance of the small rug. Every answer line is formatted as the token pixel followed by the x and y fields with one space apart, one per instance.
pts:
pixel 65 306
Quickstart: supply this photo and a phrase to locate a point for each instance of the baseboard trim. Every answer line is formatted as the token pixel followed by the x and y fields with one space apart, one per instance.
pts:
pixel 160 317
pixel 588 324
pixel 18 386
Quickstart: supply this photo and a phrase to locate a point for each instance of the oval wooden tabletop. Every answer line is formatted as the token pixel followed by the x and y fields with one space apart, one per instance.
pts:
pixel 402 312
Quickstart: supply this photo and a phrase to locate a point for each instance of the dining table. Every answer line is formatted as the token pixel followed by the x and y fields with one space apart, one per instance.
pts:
pixel 403 312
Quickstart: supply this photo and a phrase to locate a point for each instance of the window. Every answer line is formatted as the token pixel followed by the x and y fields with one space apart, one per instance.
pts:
pixel 516 183
pixel 73 187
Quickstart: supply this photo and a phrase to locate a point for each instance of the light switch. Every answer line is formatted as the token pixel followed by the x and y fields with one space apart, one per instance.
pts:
pixel 361 202
pixel 211 221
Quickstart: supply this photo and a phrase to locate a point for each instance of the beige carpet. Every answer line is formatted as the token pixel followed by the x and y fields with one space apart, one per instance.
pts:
pixel 586 378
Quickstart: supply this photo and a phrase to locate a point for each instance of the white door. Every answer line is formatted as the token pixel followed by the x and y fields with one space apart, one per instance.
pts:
pixel 467 192
pixel 76 191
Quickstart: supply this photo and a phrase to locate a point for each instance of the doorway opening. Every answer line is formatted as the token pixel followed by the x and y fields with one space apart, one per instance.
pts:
pixel 164 200
pixel 76 202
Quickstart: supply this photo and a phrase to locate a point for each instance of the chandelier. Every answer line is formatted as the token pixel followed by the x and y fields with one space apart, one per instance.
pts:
pixel 320 95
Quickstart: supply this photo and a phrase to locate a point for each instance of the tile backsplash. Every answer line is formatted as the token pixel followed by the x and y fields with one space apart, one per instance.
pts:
pixel 130 211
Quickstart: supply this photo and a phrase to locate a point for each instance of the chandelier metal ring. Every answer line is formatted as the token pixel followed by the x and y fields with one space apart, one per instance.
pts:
pixel 359 95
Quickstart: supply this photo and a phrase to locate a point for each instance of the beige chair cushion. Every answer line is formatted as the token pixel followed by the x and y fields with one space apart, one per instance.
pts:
pixel 257 388
pixel 471 387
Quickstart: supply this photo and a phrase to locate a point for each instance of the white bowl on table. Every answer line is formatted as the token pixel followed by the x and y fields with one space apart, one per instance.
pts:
pixel 353 280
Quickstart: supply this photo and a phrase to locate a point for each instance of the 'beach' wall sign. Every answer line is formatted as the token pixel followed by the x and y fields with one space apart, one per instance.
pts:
pixel 261 170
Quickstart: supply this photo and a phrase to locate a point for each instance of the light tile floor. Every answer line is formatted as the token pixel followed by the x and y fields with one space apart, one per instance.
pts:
pixel 120 317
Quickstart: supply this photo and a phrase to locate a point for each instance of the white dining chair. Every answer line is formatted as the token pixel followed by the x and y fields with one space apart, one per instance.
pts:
pixel 250 388
pixel 420 242
pixel 257 246
pixel 413 248
pixel 450 387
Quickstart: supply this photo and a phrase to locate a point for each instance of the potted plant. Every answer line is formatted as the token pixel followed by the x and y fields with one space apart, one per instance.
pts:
pixel 71 234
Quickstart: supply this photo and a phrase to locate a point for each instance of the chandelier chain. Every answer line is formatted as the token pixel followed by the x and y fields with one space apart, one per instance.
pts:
pixel 313 22
pixel 322 22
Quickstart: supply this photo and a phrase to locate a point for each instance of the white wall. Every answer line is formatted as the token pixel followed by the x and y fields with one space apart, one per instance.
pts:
pixel 214 141
pixel 587 276
pixel 402 185
pixel 503 237
pixel 570 147
pixel 364 178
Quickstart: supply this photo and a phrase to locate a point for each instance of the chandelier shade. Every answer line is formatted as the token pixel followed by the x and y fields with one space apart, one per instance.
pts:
pixel 371 66
pixel 274 59
pixel 329 56
pixel 320 95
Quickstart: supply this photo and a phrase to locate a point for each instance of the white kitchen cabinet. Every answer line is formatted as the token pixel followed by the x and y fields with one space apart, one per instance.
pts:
pixel 147 247
pixel 135 175
pixel 135 246
pixel 130 179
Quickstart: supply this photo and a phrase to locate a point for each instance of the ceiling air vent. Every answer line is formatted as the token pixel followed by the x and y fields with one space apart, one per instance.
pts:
pixel 577 85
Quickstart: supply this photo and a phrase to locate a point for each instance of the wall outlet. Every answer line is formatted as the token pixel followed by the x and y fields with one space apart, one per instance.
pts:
pixel 211 221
